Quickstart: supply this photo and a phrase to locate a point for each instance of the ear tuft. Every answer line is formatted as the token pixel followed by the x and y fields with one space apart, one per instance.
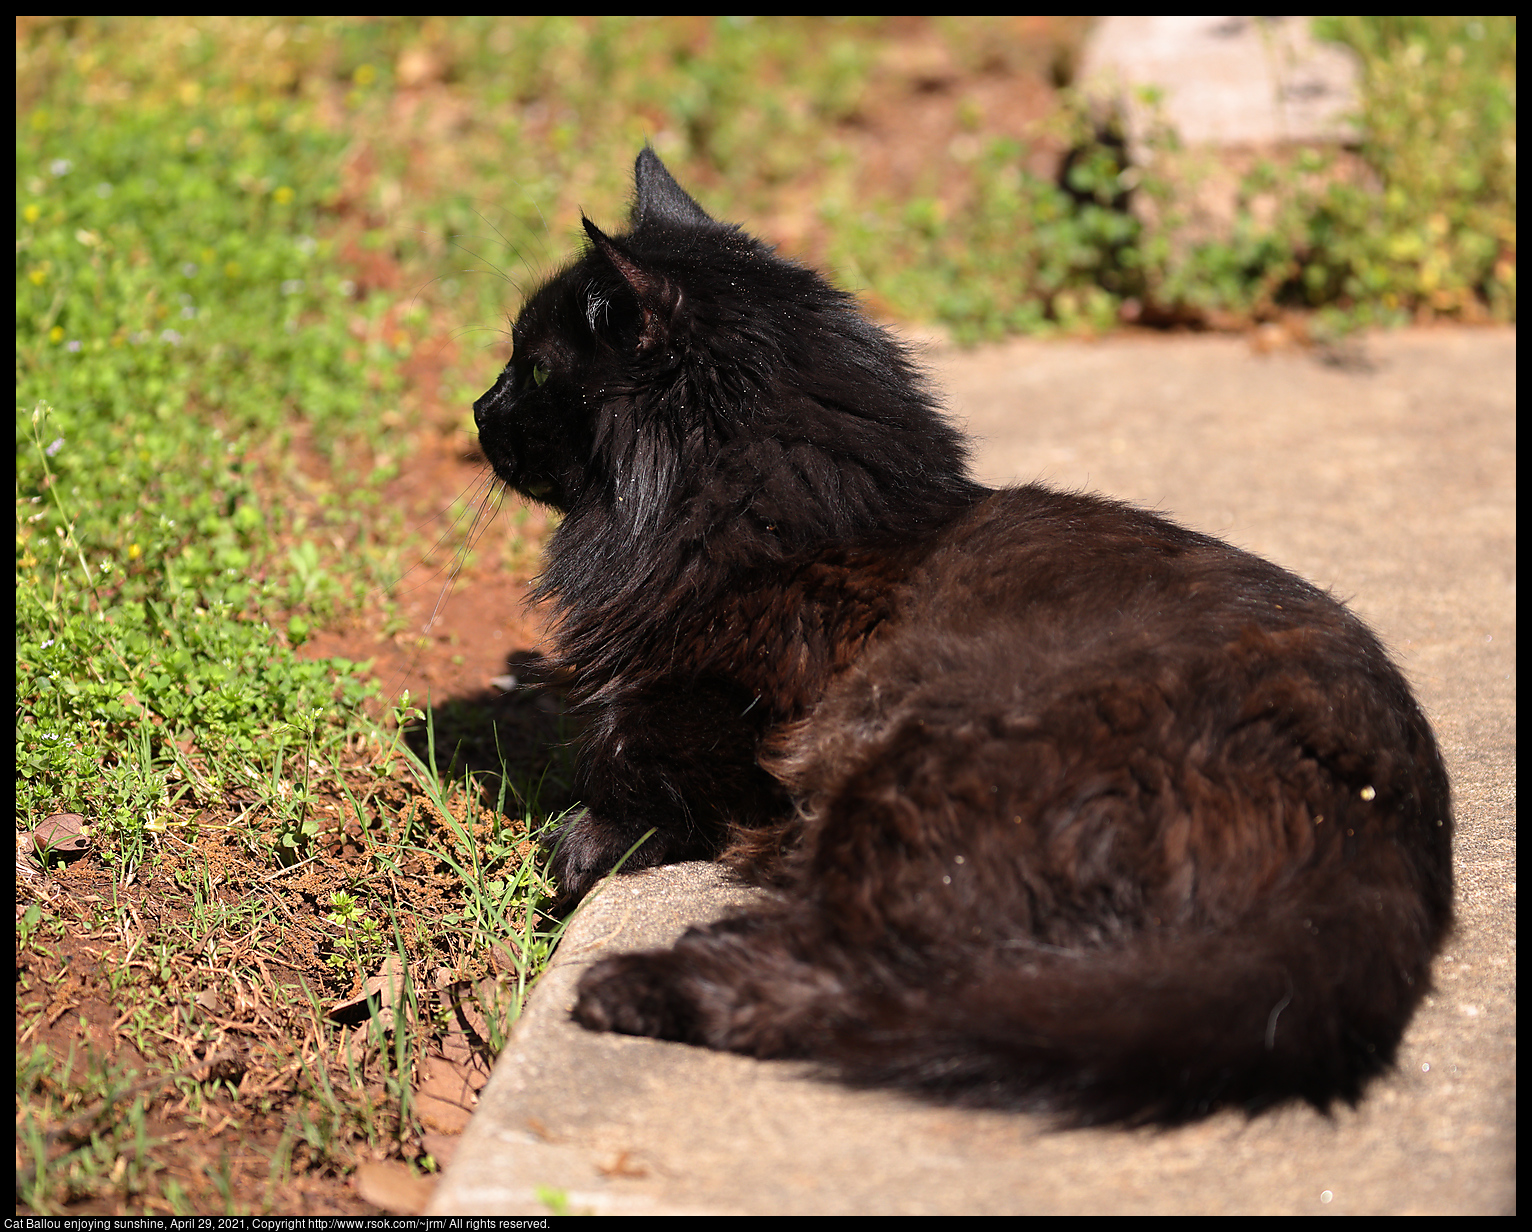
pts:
pixel 658 198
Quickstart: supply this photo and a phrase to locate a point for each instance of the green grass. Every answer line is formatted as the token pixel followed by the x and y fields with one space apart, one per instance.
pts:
pixel 258 258
pixel 176 322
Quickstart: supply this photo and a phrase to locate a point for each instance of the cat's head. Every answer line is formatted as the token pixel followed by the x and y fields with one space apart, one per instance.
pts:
pixel 609 350
pixel 680 375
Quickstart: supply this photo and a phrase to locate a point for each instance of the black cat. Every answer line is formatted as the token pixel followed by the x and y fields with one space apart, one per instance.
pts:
pixel 1071 808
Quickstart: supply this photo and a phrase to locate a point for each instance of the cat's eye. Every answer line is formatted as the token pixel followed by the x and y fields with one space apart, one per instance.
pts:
pixel 539 374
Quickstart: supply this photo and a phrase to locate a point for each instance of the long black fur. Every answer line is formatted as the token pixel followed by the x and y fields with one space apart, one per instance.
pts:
pixel 1072 808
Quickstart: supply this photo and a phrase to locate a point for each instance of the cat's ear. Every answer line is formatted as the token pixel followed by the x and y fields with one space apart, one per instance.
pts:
pixel 658 297
pixel 658 198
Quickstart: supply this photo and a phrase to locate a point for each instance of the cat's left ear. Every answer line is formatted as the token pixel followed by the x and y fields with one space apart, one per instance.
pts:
pixel 658 297
pixel 658 198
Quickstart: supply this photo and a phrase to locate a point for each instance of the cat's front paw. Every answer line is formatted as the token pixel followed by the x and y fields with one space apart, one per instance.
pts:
pixel 583 851
pixel 638 994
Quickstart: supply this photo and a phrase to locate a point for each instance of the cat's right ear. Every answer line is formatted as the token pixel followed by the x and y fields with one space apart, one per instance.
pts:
pixel 658 297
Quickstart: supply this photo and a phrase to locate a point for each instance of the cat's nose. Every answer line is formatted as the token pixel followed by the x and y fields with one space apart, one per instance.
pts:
pixel 483 406
pixel 486 401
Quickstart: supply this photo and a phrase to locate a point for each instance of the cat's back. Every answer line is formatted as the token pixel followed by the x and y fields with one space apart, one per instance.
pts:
pixel 1036 595
pixel 1035 556
pixel 1113 651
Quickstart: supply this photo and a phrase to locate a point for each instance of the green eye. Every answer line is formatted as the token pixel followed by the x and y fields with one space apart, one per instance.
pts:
pixel 539 374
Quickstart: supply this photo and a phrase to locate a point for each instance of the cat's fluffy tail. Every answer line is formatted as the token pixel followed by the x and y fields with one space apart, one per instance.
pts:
pixel 1160 1028
pixel 1162 1031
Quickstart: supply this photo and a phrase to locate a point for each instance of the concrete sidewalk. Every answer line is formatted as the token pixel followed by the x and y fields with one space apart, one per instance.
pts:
pixel 1389 479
